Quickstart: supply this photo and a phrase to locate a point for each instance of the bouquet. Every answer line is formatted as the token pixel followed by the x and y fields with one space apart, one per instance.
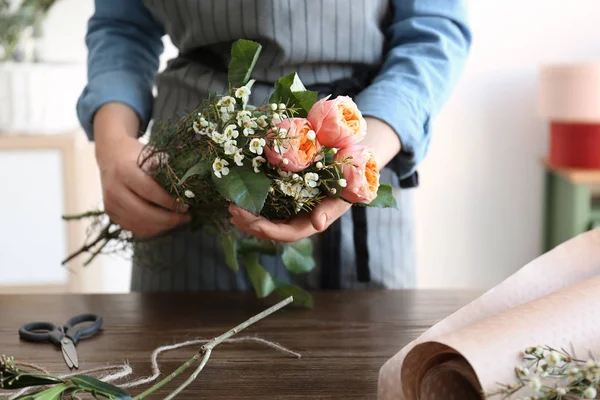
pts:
pixel 277 160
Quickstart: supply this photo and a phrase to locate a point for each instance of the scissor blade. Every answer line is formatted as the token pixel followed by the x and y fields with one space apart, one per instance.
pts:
pixel 69 353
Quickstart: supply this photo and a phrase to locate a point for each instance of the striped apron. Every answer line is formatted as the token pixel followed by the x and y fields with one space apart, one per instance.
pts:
pixel 335 46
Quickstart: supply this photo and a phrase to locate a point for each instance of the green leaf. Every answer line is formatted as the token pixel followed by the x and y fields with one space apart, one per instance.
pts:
pixel 26 380
pixel 229 245
pixel 251 244
pixel 244 54
pixel 244 187
pixel 89 384
pixel 290 91
pixel 53 393
pixel 297 257
pixel 200 168
pixel 261 279
pixel 385 198
pixel 301 296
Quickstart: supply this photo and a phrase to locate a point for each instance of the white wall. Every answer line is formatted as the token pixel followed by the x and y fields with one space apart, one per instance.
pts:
pixel 479 207
pixel 480 203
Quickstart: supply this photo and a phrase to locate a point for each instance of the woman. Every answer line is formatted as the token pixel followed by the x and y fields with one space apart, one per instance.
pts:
pixel 399 59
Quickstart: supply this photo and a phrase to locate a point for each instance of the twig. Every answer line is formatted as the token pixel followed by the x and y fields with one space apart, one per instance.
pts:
pixel 89 214
pixel 208 347
pixel 86 248
pixel 192 377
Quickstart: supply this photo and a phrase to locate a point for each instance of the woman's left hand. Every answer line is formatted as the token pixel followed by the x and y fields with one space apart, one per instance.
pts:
pixel 323 215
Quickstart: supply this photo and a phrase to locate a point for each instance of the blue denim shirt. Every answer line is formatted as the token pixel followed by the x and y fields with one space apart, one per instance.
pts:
pixel 427 45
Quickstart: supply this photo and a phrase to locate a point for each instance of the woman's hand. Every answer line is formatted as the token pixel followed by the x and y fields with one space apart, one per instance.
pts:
pixel 298 228
pixel 132 198
pixel 384 142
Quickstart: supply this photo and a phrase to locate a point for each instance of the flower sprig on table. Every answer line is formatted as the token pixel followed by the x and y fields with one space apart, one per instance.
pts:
pixel 551 374
pixel 278 160
pixel 13 378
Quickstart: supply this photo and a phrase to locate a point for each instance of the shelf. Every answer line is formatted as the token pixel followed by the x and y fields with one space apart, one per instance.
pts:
pixel 575 175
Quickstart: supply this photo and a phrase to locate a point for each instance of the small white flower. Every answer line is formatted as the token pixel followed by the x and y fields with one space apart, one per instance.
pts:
pixel 573 371
pixel 256 145
pixel 333 191
pixel 243 93
pixel 241 116
pixel 218 137
pixel 282 133
pixel 285 161
pixel 553 358
pixel 189 194
pixel 220 167
pixel 342 183
pixel 196 128
pixel 319 165
pixel 231 132
pixel 591 364
pixel 230 147
pixel 311 135
pixel 203 122
pixel 248 131
pixel 561 391
pixel 249 125
pixel 238 157
pixel 296 177
pixel 282 106
pixel 311 179
pixel 284 174
pixel 535 384
pixel 297 188
pixel 227 104
pixel 313 192
pixel 334 151
pixel 275 119
pixel 257 162
pixel 522 371
pixel 273 106
pixel 539 351
pixel 271 190
pixel 287 188
pixel 590 393
pixel 262 121
pixel 225 116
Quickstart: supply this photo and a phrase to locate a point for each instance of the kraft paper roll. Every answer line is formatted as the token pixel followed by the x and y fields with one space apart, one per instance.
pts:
pixel 570 93
pixel 551 301
pixel 575 145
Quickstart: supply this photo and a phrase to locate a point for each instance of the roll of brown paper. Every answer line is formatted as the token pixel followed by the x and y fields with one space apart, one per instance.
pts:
pixel 551 301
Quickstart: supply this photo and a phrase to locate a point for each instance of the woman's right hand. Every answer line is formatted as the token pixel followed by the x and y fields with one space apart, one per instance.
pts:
pixel 132 198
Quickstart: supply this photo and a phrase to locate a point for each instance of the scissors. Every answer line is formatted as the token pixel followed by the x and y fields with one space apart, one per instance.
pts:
pixel 67 337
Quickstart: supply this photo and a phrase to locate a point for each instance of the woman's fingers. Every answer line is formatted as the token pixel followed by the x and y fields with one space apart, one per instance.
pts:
pixel 147 188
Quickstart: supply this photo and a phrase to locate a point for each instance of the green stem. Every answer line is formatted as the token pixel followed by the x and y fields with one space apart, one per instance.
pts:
pixel 169 378
pixel 192 377
pixel 208 347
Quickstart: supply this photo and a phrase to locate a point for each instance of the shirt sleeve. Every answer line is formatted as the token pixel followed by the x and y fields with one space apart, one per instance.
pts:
pixel 428 43
pixel 124 42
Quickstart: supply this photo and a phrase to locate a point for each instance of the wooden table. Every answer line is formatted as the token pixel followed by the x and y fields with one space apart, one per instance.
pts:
pixel 343 341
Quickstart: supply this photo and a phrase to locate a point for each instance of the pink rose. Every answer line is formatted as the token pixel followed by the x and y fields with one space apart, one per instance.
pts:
pixel 292 150
pixel 338 122
pixel 360 172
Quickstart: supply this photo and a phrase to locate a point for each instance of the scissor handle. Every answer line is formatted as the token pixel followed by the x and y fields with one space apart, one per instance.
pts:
pixel 42 332
pixel 75 333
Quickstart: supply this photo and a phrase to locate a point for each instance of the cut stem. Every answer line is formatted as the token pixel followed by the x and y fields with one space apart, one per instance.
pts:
pixel 206 350
pixel 192 377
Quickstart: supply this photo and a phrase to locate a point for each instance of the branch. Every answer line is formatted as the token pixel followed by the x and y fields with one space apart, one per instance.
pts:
pixel 206 350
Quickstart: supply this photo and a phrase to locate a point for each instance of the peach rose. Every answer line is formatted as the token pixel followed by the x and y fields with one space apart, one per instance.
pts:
pixel 338 122
pixel 360 172
pixel 295 151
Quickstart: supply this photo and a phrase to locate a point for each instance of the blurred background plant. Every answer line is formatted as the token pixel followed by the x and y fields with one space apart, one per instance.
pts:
pixel 21 29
